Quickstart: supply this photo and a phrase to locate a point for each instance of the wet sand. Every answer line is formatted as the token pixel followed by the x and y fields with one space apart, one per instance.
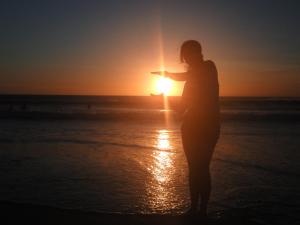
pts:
pixel 38 214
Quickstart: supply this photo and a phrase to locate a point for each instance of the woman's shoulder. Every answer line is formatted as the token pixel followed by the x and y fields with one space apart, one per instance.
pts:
pixel 209 63
pixel 210 66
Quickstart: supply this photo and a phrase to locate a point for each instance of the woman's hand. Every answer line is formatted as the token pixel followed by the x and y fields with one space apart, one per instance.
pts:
pixel 174 76
pixel 161 73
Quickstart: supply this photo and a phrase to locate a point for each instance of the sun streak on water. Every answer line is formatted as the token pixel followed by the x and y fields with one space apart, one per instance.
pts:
pixel 160 189
pixel 163 158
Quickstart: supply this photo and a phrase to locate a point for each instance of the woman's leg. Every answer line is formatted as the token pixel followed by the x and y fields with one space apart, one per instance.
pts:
pixel 199 181
pixel 204 189
pixel 193 171
pixel 194 185
pixel 204 176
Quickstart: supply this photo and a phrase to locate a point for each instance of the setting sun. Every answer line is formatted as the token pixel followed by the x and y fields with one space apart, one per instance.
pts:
pixel 163 85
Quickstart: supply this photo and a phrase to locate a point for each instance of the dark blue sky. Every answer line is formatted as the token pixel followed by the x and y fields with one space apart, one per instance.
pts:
pixel 108 47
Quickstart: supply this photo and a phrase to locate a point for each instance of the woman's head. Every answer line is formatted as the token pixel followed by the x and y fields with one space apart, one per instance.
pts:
pixel 191 53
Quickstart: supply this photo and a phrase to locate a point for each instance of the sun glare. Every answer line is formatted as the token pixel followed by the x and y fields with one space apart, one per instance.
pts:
pixel 164 85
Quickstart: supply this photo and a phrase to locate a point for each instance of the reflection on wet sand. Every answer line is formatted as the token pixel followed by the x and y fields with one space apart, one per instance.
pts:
pixel 160 188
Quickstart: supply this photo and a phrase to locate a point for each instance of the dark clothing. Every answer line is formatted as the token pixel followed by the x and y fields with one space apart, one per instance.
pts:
pixel 200 128
pixel 201 124
pixel 200 95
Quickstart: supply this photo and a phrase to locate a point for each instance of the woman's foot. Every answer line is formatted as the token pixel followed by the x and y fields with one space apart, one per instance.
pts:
pixel 202 214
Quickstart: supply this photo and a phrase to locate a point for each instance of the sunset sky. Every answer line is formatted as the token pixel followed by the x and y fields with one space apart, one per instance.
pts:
pixel 110 47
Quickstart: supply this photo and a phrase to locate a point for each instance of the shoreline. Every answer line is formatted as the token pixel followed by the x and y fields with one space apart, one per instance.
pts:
pixel 41 214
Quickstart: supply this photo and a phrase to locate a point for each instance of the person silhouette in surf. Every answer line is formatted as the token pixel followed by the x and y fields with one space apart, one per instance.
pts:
pixel 201 124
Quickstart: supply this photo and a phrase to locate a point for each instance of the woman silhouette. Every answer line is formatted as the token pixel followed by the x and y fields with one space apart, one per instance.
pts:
pixel 201 125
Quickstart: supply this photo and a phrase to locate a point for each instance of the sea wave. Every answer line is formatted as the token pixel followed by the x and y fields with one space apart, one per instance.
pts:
pixel 157 115
pixel 258 167
pixel 140 108
pixel 76 141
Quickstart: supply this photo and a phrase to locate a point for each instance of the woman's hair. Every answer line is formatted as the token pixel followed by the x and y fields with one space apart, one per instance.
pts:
pixel 191 53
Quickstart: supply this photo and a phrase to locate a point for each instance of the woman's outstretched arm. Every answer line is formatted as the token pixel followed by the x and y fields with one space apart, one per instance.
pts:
pixel 174 76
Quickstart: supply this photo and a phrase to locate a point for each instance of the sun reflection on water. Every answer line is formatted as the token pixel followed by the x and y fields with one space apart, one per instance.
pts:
pixel 160 188
pixel 163 142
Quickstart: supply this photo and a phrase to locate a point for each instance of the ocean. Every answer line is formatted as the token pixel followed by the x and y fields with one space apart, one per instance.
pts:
pixel 123 154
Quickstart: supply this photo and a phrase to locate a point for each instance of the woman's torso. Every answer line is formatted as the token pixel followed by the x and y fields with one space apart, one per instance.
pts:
pixel 201 97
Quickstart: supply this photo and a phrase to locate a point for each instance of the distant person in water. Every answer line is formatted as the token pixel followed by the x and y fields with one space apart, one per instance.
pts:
pixel 201 124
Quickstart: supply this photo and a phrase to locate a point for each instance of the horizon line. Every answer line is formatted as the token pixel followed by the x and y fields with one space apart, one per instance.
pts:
pixel 88 95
